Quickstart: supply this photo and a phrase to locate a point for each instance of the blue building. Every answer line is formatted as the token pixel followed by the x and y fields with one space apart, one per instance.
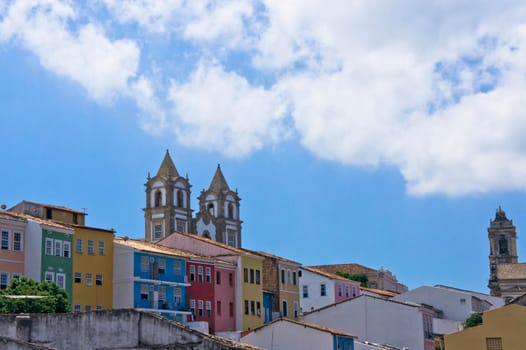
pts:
pixel 150 277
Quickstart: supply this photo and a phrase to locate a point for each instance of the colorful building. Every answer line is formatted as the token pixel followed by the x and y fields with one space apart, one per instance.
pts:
pixel 50 212
pixel 500 329
pixel 320 288
pixel 151 277
pixel 280 286
pixel 92 268
pixel 12 247
pixel 248 277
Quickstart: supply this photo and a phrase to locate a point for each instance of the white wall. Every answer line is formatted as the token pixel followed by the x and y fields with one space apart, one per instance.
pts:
pixel 315 300
pixel 201 227
pixel 122 277
pixel 289 336
pixel 33 250
pixel 374 319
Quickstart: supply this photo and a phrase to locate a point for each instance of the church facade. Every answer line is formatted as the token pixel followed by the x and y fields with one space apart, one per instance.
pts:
pixel 507 276
pixel 168 207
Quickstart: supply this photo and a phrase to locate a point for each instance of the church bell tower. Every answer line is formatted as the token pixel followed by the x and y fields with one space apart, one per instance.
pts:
pixel 167 202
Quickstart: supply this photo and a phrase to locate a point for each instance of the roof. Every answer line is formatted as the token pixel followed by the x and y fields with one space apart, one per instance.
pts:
pixel 59 207
pixel 326 274
pixel 372 345
pixel 112 231
pixel 167 168
pixel 154 248
pixel 211 241
pixel 380 292
pixel 9 216
pixel 304 324
pixel 271 256
pixel 511 271
pixel 41 221
pixel 351 268
pixel 501 221
pixel 218 183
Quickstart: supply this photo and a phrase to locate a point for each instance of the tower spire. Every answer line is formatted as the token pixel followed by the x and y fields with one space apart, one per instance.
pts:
pixel 218 183
pixel 167 168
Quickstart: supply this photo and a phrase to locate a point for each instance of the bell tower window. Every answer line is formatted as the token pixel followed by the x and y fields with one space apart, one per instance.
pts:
pixel 158 198
pixel 503 245
pixel 210 208
pixel 180 202
pixel 230 211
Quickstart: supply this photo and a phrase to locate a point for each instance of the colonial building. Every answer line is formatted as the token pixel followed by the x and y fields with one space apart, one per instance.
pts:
pixel 168 207
pixel 507 277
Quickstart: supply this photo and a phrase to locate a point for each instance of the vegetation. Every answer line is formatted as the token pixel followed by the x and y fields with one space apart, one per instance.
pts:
pixel 473 320
pixel 360 277
pixel 34 297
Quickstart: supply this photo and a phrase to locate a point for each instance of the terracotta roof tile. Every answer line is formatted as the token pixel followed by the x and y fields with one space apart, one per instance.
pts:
pixel 154 248
pixel 304 324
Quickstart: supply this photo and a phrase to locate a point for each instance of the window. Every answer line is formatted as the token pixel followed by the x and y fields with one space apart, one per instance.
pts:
pixel 180 202
pixel 161 293
pixel 67 249
pixel 4 280
pixel 49 246
pixel 77 307
pixel 284 308
pixel 15 275
pixel 246 307
pixel 323 290
pixel 296 309
pixel 101 248
pixel 177 267
pixel 218 307
pixel 289 277
pixel 347 291
pixel 49 276
pixel 282 276
pixel 339 290
pixel 181 226
pixel 245 275
pixel 98 279
pixel 230 211
pixel 305 291
pixel 5 239
pixel 89 279
pixel 58 247
pixel 144 292
pixel 231 238
pixel 177 296
pixel 200 308
pixel 231 309
pixel 144 264
pixel 294 277
pixel 17 241
pixel 230 279
pixel 158 231
pixel 258 309
pixel 87 308
pixel 462 301
pixel 192 272
pixel 49 213
pixel 192 306
pixel 78 245
pixel 208 276
pixel 252 307
pixel 91 248
pixel 493 343
pixel 258 277
pixel 208 308
pixel 75 218
pixel 61 280
pixel 158 198
pixel 353 291
pixel 78 277
pixel 162 265
pixel 99 307
pixel 218 277
pixel 199 273
pixel 252 276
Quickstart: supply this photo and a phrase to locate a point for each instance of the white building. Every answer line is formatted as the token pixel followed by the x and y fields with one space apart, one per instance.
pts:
pixel 319 288
pixel 293 335
pixel 380 321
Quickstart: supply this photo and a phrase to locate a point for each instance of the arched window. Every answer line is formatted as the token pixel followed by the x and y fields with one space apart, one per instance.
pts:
pixel 206 234
pixel 180 198
pixel 230 211
pixel 158 198
pixel 284 308
pixel 210 208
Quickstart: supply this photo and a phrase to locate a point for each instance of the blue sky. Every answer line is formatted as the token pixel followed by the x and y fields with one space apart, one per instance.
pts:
pixel 382 133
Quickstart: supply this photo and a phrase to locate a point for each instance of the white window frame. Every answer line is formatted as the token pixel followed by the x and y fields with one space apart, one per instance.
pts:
pixel 77 308
pixel 78 245
pixel 305 291
pixel 60 280
pixel 208 308
pixel 177 296
pixel 89 278
pixel 5 245
pixel 20 242
pixel 208 274
pixel 51 276
pixel 66 249
pixel 4 280
pixel 161 293
pixel 145 264
pixel 200 308
pixel 79 275
pixel 157 231
pixel 192 272
pixel 145 292
pixel 101 247
pixel 99 307
pixel 161 265
pixel 199 273
pixel 58 247
pixel 91 247
pixel 49 246
pixel 98 279
pixel 177 267
pixel 87 308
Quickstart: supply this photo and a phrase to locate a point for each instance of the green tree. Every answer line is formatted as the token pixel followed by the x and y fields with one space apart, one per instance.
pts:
pixel 33 297
pixel 360 277
pixel 473 320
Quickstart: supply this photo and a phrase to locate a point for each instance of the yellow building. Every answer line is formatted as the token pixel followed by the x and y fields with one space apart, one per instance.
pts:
pixel 92 268
pixel 50 212
pixel 502 328
pixel 251 290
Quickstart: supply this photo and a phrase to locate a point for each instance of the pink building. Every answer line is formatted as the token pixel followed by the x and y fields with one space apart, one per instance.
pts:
pixel 12 247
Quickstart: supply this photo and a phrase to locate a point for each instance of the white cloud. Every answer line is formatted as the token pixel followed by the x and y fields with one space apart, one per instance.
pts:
pixel 103 67
pixel 221 111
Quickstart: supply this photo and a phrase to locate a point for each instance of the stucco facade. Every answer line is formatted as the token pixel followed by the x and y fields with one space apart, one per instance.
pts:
pixel 12 247
pixel 501 329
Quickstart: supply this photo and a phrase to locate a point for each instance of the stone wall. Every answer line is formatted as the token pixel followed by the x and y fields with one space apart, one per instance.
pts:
pixel 108 329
